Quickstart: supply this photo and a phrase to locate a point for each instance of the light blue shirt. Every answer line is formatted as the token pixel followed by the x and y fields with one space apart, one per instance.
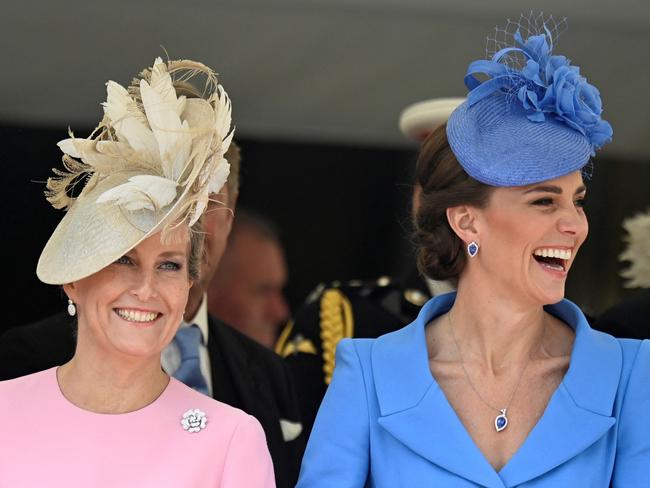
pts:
pixel 385 422
pixel 170 358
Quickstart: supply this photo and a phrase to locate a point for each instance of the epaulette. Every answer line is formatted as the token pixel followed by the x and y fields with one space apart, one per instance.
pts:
pixel 336 319
pixel 336 323
pixel 333 310
pixel 362 288
pixel 285 347
pixel 378 289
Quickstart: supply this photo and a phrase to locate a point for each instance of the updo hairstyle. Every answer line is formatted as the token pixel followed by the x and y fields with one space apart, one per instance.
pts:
pixel 444 184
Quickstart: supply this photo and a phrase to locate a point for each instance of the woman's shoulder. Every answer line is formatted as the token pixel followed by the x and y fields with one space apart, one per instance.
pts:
pixel 29 380
pixel 24 388
pixel 365 345
pixel 356 345
pixel 397 345
pixel 629 354
pixel 182 397
pixel 633 367
pixel 636 356
pixel 380 355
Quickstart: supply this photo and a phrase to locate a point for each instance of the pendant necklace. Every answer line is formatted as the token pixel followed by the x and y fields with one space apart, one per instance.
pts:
pixel 501 420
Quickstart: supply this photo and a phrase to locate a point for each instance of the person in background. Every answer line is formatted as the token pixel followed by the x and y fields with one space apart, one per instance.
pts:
pixel 126 254
pixel 359 308
pixel 502 383
pixel 247 288
pixel 631 317
pixel 232 368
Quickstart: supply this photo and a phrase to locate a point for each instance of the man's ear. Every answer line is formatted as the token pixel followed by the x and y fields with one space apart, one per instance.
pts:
pixel 462 220
pixel 232 200
pixel 232 205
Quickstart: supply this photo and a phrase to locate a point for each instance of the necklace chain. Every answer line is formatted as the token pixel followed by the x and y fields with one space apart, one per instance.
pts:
pixel 469 380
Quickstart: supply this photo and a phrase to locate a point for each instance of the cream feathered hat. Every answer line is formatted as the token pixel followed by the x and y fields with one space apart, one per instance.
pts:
pixel 150 165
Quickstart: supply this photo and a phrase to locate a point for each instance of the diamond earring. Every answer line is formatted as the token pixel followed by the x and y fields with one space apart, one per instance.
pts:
pixel 72 309
pixel 472 249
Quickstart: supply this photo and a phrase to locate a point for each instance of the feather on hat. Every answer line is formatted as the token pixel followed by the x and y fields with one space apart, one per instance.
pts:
pixel 151 164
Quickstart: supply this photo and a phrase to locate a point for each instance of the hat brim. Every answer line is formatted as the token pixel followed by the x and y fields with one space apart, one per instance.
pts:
pixel 498 145
pixel 92 235
pixel 417 121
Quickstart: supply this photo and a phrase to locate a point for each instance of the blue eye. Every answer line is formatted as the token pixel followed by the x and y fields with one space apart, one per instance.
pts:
pixel 171 266
pixel 123 260
pixel 580 202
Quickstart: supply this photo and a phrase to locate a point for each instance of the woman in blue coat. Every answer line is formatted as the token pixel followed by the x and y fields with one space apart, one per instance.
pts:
pixel 503 383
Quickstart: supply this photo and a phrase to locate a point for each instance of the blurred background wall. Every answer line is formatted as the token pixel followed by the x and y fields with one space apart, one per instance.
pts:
pixel 317 87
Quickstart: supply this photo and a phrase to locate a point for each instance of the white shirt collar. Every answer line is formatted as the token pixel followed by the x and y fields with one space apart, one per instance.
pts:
pixel 438 287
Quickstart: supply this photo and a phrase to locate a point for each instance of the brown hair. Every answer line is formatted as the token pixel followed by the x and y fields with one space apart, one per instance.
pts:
pixel 444 184
pixel 197 238
pixel 233 155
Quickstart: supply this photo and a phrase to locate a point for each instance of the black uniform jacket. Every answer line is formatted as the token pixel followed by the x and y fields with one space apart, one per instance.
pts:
pixel 245 375
pixel 337 310
pixel 629 319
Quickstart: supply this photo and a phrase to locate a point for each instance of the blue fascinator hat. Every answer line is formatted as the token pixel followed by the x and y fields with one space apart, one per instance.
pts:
pixel 535 118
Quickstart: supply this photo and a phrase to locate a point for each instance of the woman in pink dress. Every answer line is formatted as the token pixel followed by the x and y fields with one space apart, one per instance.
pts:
pixel 127 252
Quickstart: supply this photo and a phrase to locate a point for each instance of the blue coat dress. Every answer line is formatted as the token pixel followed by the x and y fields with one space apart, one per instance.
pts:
pixel 385 422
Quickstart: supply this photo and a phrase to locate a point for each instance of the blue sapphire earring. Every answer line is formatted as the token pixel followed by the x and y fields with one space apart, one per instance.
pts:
pixel 472 249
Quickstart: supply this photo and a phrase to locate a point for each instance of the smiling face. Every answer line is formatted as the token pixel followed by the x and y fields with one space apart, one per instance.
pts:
pixel 529 237
pixel 133 306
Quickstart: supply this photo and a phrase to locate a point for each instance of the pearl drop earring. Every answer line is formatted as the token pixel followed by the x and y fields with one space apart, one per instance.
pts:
pixel 72 309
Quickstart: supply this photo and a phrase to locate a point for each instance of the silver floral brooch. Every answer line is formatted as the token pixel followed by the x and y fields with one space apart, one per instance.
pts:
pixel 194 420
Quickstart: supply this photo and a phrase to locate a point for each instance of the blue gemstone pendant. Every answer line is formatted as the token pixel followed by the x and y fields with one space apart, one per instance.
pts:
pixel 501 421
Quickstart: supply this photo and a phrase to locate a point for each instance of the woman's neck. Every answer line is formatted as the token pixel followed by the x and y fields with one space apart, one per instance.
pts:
pixel 111 385
pixel 494 330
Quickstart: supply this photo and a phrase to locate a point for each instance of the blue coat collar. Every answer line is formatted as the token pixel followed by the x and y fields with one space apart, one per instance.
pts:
pixel 415 410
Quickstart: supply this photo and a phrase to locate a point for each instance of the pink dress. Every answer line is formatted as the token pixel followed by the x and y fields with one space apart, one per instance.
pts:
pixel 46 441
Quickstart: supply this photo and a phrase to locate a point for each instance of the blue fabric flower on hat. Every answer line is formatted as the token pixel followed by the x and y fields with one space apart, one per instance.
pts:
pixel 546 86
